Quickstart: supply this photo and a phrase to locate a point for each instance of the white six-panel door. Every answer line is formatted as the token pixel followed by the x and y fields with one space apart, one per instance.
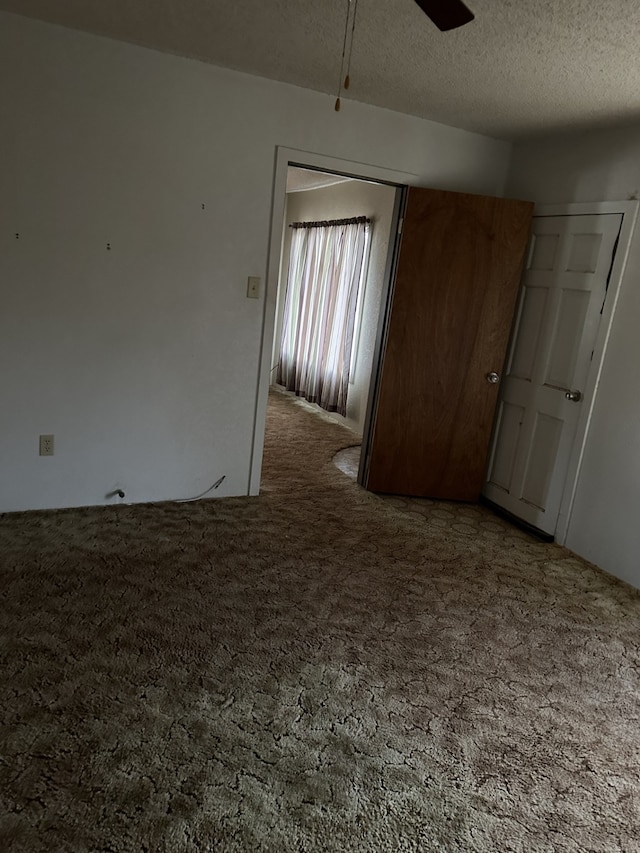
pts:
pixel 564 289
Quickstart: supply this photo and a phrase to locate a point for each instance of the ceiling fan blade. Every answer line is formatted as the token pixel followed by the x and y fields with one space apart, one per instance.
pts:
pixel 446 14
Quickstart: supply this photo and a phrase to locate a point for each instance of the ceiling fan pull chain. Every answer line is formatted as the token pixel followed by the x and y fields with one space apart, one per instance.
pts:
pixel 353 29
pixel 344 50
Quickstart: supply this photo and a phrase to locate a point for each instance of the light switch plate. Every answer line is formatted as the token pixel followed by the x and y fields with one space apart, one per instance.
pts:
pixel 253 287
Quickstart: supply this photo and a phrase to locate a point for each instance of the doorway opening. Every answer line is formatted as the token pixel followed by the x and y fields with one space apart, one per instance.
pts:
pixel 336 237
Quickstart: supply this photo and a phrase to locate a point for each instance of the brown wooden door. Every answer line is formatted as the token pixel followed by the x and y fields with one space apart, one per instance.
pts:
pixel 453 300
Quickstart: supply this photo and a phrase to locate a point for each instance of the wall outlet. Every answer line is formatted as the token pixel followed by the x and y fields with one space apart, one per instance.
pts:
pixel 46 445
pixel 253 287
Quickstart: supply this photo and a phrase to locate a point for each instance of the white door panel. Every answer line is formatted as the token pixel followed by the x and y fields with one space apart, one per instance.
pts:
pixel 532 312
pixel 563 292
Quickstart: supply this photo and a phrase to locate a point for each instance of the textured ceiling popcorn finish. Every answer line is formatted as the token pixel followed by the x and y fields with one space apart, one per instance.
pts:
pixel 522 67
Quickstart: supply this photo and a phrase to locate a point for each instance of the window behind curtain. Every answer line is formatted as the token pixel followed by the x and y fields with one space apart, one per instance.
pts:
pixel 326 266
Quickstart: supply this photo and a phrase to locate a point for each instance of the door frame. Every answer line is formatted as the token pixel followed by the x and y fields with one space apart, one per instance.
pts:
pixel 285 157
pixel 629 211
pixel 382 330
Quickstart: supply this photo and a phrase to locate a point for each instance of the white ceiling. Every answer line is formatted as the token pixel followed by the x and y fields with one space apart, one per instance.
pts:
pixel 522 67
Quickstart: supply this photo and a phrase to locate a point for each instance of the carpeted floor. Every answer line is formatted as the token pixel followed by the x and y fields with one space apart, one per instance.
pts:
pixel 316 669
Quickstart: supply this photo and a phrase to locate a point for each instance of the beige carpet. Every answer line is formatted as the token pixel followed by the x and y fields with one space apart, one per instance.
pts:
pixel 312 670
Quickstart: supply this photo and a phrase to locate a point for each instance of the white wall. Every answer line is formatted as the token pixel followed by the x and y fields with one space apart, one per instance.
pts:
pixel 143 360
pixel 601 166
pixel 354 198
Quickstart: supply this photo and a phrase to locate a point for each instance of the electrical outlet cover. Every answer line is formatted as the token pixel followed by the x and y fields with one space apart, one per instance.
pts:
pixel 46 445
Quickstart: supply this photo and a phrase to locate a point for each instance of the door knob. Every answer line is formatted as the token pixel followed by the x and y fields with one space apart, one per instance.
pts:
pixel 493 378
pixel 574 396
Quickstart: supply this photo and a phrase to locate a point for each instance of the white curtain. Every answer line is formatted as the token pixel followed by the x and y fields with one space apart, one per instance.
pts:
pixel 325 269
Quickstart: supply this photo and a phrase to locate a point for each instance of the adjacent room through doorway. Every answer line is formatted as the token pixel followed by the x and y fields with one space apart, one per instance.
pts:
pixel 334 250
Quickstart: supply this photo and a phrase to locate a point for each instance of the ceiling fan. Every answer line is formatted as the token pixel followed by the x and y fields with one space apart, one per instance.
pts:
pixel 446 14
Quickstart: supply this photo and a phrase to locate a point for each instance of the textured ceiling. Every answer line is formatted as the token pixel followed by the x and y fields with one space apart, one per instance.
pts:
pixel 522 67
